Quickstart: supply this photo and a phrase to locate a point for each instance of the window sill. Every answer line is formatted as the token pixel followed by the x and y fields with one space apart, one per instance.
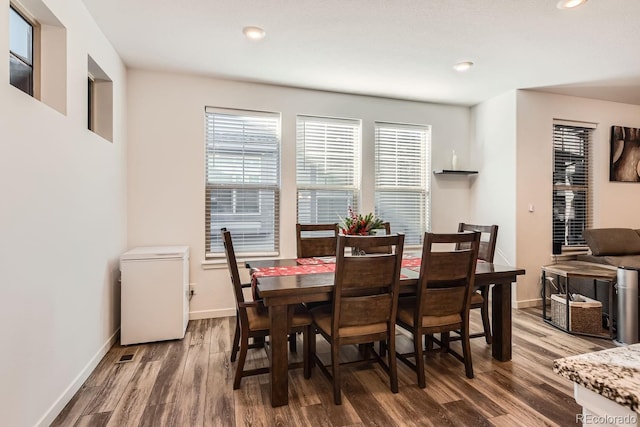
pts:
pixel 569 254
pixel 454 172
pixel 214 264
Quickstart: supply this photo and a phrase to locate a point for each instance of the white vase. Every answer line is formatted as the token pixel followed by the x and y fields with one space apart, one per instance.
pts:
pixel 454 160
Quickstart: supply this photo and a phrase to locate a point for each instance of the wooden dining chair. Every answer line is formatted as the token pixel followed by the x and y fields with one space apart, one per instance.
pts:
pixel 254 323
pixel 480 297
pixel 443 298
pixel 316 239
pixel 364 304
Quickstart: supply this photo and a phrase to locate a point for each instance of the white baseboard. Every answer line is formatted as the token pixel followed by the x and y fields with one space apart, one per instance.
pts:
pixel 208 314
pixel 536 302
pixel 77 382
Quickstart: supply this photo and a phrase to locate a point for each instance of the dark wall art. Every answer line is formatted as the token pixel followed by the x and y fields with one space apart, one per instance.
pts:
pixel 625 154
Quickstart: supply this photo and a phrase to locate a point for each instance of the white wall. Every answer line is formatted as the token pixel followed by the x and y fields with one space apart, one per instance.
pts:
pixel 62 228
pixel 616 204
pixel 493 148
pixel 166 161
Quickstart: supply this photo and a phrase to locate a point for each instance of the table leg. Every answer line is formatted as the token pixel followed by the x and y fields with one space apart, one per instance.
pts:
pixel 279 356
pixel 501 321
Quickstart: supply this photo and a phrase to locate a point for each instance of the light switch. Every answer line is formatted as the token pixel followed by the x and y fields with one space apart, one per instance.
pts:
pixel 531 209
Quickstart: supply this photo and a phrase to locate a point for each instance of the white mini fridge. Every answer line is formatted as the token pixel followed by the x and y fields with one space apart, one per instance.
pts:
pixel 154 294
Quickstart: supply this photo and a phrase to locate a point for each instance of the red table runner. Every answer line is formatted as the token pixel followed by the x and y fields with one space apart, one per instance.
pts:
pixel 294 270
pixel 407 261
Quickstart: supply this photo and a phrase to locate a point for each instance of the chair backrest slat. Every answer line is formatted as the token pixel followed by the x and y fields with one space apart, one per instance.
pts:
pixel 324 245
pixel 360 273
pixel 448 266
pixel 382 249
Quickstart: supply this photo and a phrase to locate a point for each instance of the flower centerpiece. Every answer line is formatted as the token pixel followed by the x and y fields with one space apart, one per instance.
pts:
pixel 358 224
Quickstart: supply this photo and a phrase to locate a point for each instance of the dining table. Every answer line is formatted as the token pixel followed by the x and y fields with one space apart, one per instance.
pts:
pixel 284 283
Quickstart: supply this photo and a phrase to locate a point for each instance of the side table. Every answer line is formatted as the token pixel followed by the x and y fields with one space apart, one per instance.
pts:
pixel 578 269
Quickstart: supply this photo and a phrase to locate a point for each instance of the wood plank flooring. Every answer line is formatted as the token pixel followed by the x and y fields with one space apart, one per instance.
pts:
pixel 189 383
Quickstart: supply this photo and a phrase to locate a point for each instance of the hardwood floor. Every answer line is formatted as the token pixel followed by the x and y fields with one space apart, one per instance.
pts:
pixel 189 383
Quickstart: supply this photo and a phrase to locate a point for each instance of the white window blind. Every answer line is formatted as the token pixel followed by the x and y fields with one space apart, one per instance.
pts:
pixel 402 182
pixel 242 180
pixel 572 199
pixel 327 168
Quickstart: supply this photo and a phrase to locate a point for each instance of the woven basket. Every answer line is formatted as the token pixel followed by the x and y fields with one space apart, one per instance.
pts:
pixel 585 317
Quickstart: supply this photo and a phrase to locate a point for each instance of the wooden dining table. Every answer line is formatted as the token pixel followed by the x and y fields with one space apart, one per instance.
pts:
pixel 302 285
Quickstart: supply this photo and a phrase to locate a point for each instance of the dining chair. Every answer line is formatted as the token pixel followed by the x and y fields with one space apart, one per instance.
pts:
pixel 258 341
pixel 363 308
pixel 254 323
pixel 480 297
pixel 314 240
pixel 442 299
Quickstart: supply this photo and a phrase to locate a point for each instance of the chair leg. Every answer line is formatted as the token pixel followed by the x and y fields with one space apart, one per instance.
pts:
pixel 312 346
pixel 236 339
pixel 466 351
pixel 393 363
pixel 244 346
pixel 417 348
pixel 484 311
pixel 361 348
pixel 428 341
pixel 444 341
pixel 335 363
pixel 383 348
pixel 307 337
pixel 366 350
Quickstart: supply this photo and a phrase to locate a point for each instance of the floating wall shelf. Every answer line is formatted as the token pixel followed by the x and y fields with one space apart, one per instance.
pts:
pixel 454 172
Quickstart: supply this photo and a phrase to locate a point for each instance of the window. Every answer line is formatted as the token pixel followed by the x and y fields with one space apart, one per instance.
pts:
pixel 402 182
pixel 327 168
pixel 38 53
pixel 20 52
pixel 99 100
pixel 242 180
pixel 572 204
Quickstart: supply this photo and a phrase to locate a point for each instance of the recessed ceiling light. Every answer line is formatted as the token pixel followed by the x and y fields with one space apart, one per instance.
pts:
pixel 254 33
pixel 570 4
pixel 463 66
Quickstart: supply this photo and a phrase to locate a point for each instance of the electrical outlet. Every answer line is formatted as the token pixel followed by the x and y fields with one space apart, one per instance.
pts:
pixel 192 288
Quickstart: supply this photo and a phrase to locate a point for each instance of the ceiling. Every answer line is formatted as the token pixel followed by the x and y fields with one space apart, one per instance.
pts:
pixel 391 48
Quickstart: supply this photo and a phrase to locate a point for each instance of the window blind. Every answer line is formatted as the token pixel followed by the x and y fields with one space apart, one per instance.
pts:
pixel 327 168
pixel 401 178
pixel 242 180
pixel 572 186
